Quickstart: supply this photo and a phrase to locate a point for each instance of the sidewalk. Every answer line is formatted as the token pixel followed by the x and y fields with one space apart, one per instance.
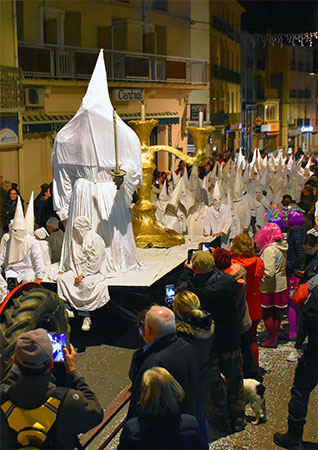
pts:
pixel 278 382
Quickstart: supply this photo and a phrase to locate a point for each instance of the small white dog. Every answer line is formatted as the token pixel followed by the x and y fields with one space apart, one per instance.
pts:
pixel 254 394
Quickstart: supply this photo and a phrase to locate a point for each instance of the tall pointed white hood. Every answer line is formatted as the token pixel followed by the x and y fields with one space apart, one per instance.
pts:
pixel 29 216
pixel 88 139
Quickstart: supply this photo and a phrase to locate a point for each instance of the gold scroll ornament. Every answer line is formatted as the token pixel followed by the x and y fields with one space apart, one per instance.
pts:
pixel 148 231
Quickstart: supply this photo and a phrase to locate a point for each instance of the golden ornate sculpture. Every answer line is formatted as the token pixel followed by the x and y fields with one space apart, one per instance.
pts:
pixel 148 231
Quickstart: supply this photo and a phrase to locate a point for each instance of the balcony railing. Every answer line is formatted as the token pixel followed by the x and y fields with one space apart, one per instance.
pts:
pixel 74 63
pixel 10 88
pixel 225 74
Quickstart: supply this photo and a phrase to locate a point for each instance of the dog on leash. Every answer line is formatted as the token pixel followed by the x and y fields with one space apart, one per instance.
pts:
pixel 254 394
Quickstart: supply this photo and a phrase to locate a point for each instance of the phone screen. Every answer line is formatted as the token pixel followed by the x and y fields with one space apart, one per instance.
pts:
pixel 170 293
pixel 190 253
pixel 205 246
pixel 59 340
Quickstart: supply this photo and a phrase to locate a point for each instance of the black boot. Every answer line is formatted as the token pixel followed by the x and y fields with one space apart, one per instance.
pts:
pixel 293 438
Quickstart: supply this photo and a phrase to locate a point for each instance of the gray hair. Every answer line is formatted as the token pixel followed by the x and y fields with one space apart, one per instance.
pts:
pixel 161 320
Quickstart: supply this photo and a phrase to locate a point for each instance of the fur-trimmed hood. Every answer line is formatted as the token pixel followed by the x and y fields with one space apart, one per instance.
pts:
pixel 198 327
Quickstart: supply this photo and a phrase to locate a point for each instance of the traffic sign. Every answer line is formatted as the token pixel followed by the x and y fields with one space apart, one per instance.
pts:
pixel 258 121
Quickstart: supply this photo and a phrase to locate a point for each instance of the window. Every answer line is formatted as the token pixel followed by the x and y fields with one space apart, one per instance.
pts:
pixel 271 112
pixel 161 5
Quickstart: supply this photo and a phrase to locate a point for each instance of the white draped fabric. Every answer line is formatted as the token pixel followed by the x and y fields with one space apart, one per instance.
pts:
pixel 241 216
pixel 46 251
pixel 31 265
pixel 3 289
pixel 217 221
pixel 87 259
pixel 82 157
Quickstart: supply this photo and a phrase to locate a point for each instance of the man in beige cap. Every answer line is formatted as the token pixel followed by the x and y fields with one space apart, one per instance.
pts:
pixel 75 407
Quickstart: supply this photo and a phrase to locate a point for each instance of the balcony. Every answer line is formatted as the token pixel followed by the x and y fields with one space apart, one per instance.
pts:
pixel 222 73
pixel 10 88
pixel 74 63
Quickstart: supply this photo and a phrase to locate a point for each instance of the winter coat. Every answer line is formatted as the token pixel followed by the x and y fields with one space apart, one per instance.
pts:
pixel 254 267
pixel 178 431
pixel 274 257
pixel 8 212
pixel 176 356
pixel 217 292
pixel 198 332
pixel 296 252
pixel 79 412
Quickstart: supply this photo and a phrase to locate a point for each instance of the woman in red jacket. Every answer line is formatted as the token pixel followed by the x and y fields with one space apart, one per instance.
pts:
pixel 243 253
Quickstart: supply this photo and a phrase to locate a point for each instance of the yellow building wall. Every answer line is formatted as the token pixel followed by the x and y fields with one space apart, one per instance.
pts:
pixel 35 165
pixel 7 33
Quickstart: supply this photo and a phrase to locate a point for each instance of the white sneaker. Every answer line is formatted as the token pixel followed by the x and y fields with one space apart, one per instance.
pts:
pixel 293 355
pixel 70 314
pixel 86 326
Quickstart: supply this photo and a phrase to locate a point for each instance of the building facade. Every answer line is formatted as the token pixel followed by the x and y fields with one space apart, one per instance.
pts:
pixel 148 47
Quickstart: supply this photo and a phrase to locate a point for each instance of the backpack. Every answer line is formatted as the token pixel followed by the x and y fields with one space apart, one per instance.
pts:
pixel 32 426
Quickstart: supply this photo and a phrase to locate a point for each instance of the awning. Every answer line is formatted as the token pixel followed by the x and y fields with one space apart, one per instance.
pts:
pixel 44 123
pixel 48 124
pixel 164 118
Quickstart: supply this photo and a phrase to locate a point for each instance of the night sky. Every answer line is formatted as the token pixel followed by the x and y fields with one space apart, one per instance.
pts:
pixel 280 16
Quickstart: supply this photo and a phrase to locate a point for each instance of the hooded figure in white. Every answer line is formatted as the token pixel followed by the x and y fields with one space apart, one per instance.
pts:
pixel 241 213
pixel 21 256
pixel 218 218
pixel 84 286
pixel 82 157
pixel 197 213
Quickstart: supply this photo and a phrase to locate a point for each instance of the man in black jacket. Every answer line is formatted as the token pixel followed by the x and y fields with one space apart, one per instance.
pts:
pixel 305 374
pixel 54 415
pixel 164 349
pixel 217 292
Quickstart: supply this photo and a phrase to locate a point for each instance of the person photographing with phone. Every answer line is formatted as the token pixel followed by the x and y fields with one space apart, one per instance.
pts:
pixel 34 411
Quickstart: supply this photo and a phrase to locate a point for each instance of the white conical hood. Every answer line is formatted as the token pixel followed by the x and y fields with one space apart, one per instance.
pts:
pixel 226 172
pixel 307 171
pixel 240 160
pixel 175 177
pixel 163 196
pixel 264 179
pixel 88 139
pixel 29 216
pixel 238 186
pixel 229 200
pixel 216 195
pixel 19 221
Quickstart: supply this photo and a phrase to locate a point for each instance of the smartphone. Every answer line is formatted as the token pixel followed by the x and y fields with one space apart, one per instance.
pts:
pixel 59 340
pixel 204 246
pixel 190 253
pixel 170 293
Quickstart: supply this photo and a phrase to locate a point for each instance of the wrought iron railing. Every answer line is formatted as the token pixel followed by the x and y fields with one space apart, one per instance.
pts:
pixel 75 63
pixel 10 88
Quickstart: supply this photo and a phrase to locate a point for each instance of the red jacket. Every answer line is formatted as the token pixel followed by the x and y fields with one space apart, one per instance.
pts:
pixel 254 267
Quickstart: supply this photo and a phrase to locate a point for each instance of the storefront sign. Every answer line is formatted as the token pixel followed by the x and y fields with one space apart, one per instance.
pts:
pixel 9 134
pixel 308 129
pixel 128 95
pixel 195 110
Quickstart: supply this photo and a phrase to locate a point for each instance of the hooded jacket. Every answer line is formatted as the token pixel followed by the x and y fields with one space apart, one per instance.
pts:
pixel 254 267
pixel 198 332
pixel 274 257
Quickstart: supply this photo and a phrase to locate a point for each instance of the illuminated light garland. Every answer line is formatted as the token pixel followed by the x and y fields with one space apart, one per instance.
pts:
pixel 280 38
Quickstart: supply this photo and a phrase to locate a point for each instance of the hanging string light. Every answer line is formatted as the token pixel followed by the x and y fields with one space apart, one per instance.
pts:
pixel 280 39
